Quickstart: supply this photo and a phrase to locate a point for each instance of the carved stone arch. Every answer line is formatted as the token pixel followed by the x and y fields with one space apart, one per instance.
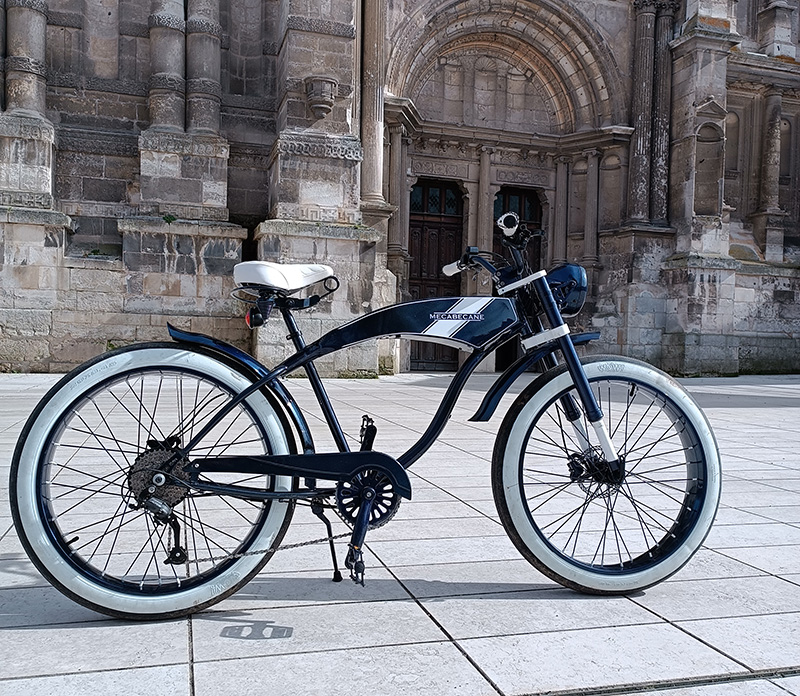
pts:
pixel 576 54
pixel 482 53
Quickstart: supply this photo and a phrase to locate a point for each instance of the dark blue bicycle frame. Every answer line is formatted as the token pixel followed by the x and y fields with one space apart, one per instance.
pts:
pixel 492 321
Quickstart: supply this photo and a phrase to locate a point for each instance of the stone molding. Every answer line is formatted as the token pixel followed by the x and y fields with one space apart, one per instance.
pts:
pixel 204 26
pixel 27 128
pixel 184 144
pixel 26 199
pixel 26 65
pixel 139 29
pixel 248 157
pixel 522 176
pixel 204 86
pixel 426 167
pixel 166 21
pixel 36 5
pixel 116 144
pixel 331 230
pixel 315 25
pixel 168 81
pixel 70 20
pixel 96 84
pixel 194 212
pixel 326 147
pixel 645 5
pixel 243 101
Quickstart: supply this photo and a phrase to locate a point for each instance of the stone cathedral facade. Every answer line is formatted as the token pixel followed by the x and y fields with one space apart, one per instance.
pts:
pixel 146 146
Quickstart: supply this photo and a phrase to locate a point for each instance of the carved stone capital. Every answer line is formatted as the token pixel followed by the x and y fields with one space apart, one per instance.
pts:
pixel 167 81
pixel 26 65
pixel 204 86
pixel 37 5
pixel 166 21
pixel 645 6
pixel 204 26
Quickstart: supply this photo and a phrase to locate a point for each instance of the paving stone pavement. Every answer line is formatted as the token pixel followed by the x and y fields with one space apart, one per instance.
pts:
pixel 449 606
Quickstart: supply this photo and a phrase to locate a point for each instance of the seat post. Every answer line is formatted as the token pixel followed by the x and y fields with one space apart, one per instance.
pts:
pixel 299 343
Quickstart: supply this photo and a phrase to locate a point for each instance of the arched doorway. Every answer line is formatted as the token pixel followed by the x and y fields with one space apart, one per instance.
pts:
pixel 526 204
pixel 434 239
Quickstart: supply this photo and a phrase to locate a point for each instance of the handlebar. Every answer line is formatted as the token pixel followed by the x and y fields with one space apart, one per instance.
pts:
pixel 452 268
pixel 515 238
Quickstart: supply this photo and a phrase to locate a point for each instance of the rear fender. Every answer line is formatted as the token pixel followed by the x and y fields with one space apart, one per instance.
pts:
pixel 278 396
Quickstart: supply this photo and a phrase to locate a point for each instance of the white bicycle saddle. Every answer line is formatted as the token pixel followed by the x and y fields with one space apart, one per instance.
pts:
pixel 286 277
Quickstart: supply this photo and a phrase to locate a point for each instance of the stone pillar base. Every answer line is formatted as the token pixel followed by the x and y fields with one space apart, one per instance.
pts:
pixel 366 285
pixel 768 230
pixel 315 178
pixel 694 354
pixel 184 175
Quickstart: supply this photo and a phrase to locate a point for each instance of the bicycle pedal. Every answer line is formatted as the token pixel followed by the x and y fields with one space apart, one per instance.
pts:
pixel 355 564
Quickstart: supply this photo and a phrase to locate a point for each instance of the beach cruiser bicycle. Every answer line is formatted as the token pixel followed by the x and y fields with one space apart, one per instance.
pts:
pixel 158 479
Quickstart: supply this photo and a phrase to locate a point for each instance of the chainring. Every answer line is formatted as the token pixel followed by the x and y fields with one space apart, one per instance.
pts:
pixel 384 505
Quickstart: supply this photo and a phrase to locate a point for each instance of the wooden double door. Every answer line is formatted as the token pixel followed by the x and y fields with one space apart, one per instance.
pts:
pixel 435 238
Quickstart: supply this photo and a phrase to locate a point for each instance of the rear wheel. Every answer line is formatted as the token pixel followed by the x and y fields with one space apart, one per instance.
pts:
pixel 566 511
pixel 100 493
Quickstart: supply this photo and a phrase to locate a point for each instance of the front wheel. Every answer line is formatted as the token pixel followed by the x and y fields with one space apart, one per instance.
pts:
pixel 101 495
pixel 569 515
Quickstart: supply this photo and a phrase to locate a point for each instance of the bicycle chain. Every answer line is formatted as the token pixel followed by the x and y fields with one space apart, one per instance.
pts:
pixel 284 547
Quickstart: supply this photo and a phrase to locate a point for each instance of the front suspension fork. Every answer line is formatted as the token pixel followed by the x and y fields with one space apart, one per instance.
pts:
pixel 591 408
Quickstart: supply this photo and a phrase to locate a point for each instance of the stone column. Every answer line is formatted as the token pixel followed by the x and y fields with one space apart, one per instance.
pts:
pixel 26 31
pixel 590 226
pixel 168 65
pixel 485 202
pixel 203 89
pixel 372 79
pixel 771 152
pixel 768 224
pixel 397 250
pixel 659 192
pixel 561 209
pixel 642 112
pixel 2 54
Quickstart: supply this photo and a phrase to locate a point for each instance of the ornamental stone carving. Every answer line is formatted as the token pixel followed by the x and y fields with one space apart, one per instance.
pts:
pixel 345 147
pixel 26 129
pixel 204 26
pixel 37 5
pixel 321 94
pixel 321 26
pixel 168 81
pixel 182 144
pixel 26 65
pixel 166 21
pixel 202 85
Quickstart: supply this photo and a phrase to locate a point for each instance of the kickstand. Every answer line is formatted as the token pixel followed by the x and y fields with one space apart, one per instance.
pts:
pixel 319 511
